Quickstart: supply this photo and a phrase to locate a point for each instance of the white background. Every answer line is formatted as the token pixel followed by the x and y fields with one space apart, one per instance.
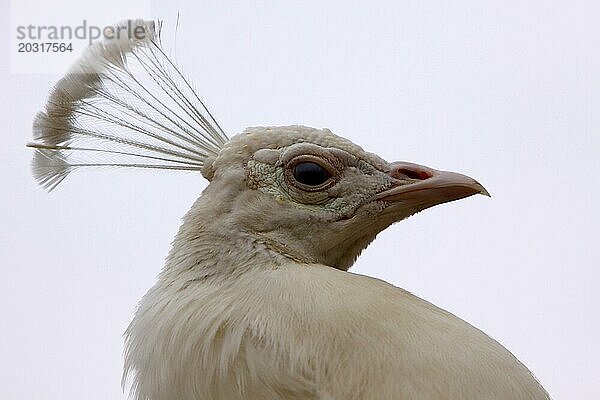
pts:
pixel 506 91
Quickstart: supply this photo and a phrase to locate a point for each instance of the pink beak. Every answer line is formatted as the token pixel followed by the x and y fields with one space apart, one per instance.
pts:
pixel 431 187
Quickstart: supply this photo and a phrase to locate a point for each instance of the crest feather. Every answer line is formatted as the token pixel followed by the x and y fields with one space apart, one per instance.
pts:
pixel 124 103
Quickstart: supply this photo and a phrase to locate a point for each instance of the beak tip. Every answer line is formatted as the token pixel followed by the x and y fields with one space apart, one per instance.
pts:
pixel 483 190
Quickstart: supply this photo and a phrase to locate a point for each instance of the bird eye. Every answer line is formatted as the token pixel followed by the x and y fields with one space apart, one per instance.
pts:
pixel 310 173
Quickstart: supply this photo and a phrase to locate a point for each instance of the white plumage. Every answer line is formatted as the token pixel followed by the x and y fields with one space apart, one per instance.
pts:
pixel 255 301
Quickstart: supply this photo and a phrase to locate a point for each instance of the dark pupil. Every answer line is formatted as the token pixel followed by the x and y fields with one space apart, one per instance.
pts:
pixel 311 174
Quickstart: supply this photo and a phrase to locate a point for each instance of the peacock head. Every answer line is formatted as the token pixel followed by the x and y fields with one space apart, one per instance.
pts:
pixel 317 197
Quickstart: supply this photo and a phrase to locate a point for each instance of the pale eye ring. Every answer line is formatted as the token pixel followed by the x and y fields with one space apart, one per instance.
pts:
pixel 310 173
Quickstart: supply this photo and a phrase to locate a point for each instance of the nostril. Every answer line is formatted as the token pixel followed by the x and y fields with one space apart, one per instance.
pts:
pixel 415 174
pixel 411 173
